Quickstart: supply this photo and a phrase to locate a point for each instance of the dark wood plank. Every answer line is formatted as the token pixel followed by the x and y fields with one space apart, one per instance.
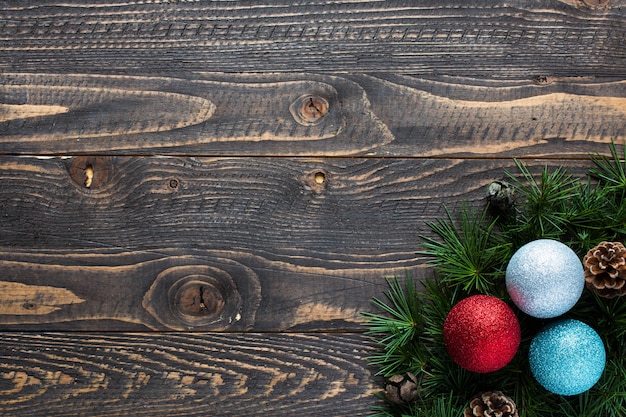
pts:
pixel 453 116
pixel 121 210
pixel 384 115
pixel 477 38
pixel 217 244
pixel 185 375
pixel 64 114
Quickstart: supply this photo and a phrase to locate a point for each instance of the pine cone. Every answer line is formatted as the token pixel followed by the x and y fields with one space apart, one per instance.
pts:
pixel 501 196
pixel 491 404
pixel 401 389
pixel 605 269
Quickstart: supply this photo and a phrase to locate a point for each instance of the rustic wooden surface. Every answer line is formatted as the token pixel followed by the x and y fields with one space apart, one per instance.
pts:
pixel 199 199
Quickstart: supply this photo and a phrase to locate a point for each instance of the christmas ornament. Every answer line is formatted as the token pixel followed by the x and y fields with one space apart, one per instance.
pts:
pixel 605 269
pixel 567 357
pixel 545 278
pixel 401 389
pixel 481 333
pixel 490 404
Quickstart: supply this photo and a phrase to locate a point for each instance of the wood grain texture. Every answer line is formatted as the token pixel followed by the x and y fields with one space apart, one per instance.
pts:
pixel 170 115
pixel 185 375
pixel 478 38
pixel 262 115
pixel 212 174
pixel 144 115
pixel 548 116
pixel 267 246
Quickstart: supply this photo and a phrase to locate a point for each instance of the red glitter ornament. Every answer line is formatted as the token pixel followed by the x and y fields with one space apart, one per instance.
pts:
pixel 481 333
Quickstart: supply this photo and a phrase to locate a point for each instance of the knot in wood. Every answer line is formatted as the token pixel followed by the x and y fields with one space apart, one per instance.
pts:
pixel 187 297
pixel 90 172
pixel 173 183
pixel 316 181
pixel 319 177
pixel 309 109
pixel 542 79
pixel 199 298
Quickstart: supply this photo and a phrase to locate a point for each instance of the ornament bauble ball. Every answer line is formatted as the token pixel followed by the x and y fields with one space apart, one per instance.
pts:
pixel 545 278
pixel 481 333
pixel 567 357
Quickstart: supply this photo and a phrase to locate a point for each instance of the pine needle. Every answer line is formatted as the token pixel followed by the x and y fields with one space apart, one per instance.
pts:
pixel 400 325
pixel 611 171
pixel 469 253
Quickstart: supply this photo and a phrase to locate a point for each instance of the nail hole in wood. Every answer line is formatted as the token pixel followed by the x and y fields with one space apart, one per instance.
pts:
pixel 316 181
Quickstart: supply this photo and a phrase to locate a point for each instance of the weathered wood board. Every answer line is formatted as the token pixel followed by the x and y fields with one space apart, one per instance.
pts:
pixel 185 375
pixel 478 38
pixel 362 115
pixel 199 199
pixel 283 248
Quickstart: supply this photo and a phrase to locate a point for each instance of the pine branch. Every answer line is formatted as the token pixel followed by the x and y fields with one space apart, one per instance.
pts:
pixel 442 406
pixel 397 328
pixel 611 171
pixel 470 254
pixel 592 216
pixel 543 209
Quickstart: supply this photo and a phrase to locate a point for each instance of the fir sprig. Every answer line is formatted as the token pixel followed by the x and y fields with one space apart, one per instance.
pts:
pixel 557 205
pixel 592 216
pixel 469 251
pixel 398 326
pixel 611 170
pixel 542 211
pixel 442 406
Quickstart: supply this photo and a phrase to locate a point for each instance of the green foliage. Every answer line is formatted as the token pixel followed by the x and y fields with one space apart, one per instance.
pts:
pixel 397 328
pixel 468 251
pixel 544 203
pixel 556 205
pixel 441 406
pixel 592 216
pixel 611 170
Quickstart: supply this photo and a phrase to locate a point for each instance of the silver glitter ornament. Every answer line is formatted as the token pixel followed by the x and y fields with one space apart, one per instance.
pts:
pixel 545 278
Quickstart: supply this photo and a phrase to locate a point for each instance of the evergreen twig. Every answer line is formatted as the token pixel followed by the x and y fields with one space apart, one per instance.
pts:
pixel 469 252
pixel 397 328
pixel 543 208
pixel 611 171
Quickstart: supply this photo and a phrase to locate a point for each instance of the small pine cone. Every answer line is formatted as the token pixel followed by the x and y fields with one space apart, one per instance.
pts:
pixel 605 269
pixel 501 196
pixel 401 389
pixel 491 404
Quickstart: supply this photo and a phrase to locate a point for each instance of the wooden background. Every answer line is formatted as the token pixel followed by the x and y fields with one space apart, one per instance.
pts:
pixel 198 199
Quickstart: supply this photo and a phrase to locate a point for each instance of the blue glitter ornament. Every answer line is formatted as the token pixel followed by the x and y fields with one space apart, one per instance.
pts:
pixel 567 357
pixel 545 278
